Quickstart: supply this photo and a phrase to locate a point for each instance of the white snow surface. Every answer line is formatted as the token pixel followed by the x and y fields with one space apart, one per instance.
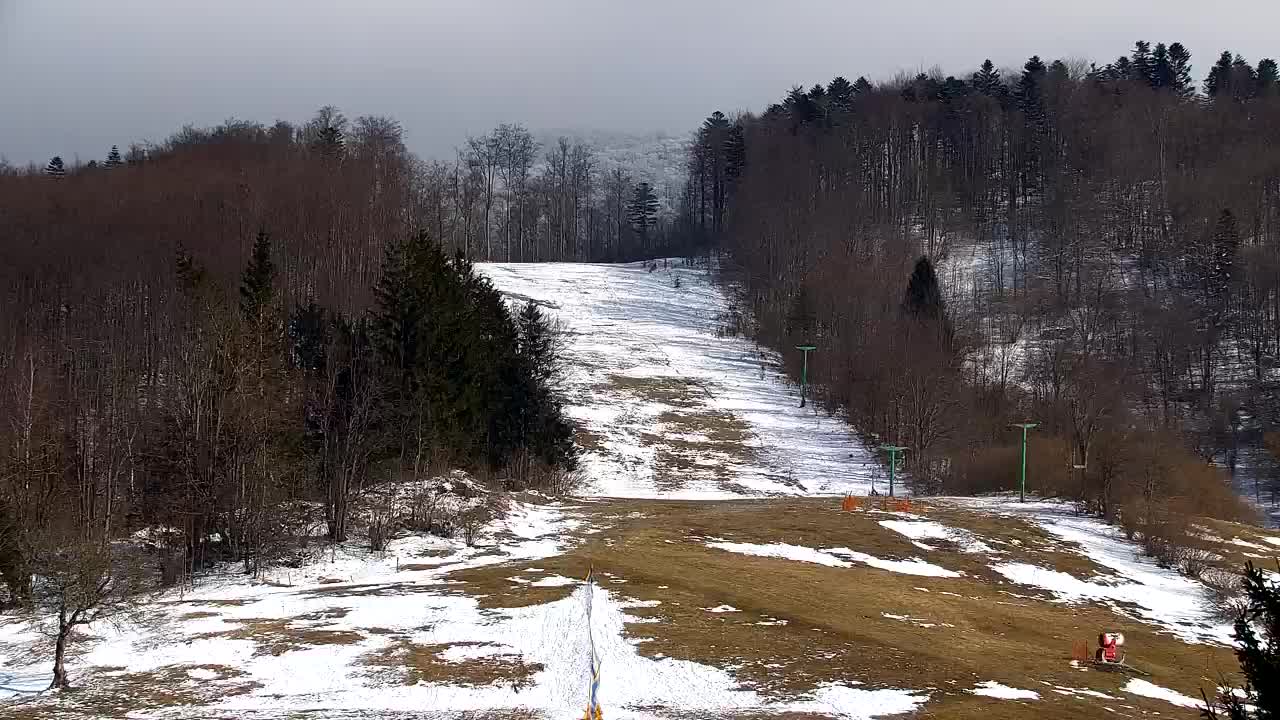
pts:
pixel 831 557
pixel 930 530
pixel 783 551
pixel 1151 690
pixel 991 688
pixel 1134 586
pixel 914 566
pixel 629 328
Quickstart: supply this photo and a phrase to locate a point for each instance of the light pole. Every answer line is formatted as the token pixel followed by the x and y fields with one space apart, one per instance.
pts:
pixel 804 373
pixel 1022 477
pixel 893 451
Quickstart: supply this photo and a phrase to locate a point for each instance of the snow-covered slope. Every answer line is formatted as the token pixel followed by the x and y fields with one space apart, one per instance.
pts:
pixel 667 408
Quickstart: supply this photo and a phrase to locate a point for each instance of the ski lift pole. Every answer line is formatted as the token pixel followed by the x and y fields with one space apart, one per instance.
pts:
pixel 893 451
pixel 1022 476
pixel 804 373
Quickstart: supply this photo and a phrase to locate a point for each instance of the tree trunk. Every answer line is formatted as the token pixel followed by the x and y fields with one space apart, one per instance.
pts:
pixel 60 653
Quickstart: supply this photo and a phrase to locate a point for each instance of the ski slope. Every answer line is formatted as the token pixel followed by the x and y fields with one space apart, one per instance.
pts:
pixel 668 409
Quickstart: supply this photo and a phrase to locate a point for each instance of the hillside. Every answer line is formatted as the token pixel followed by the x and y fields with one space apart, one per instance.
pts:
pixel 727 582
pixel 665 407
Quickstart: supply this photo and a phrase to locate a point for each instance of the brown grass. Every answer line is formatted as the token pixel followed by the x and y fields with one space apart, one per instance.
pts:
pixel 712 443
pixel 587 440
pixel 674 391
pixel 275 636
pixel 411 663
pixel 835 629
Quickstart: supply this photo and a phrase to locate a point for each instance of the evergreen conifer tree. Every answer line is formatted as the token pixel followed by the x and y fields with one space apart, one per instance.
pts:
pixel 55 168
pixel 330 142
pixel 1180 67
pixel 1244 79
pixel 1257 635
pixel 987 80
pixel 642 212
pixel 257 283
pixel 735 154
pixel 1123 69
pixel 1161 68
pixel 113 158
pixel 840 95
pixel 861 86
pixel 1268 78
pixel 1030 93
pixel 1142 67
pixel 800 106
pixel 1219 79
pixel 923 301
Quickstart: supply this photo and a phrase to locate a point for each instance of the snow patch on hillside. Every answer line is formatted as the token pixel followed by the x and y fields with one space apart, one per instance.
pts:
pixel 831 558
pixel 1136 586
pixel 991 688
pixel 929 530
pixel 1151 690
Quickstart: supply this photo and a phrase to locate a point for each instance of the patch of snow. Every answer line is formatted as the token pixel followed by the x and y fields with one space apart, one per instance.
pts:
pixel 858 704
pixel 554 581
pixel 722 609
pixel 827 556
pixel 1137 587
pixel 918 530
pixel 918 622
pixel 783 551
pixel 24 682
pixel 914 566
pixel 991 688
pixel 1151 690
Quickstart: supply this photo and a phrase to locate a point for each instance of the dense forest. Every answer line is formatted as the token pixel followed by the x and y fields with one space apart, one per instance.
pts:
pixel 1094 249
pixel 221 340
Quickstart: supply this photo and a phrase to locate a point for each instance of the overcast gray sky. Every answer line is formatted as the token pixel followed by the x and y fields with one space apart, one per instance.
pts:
pixel 79 75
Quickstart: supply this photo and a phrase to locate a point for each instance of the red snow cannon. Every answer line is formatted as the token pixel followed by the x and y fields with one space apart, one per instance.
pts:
pixel 1109 651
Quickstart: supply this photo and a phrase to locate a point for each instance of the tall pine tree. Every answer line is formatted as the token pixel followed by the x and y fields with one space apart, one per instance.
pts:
pixel 1257 635
pixel 1142 68
pixel 840 95
pixel 55 168
pixel 1268 78
pixel 642 212
pixel 1162 74
pixel 113 158
pixel 987 80
pixel 257 283
pixel 1180 66
pixel 923 302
